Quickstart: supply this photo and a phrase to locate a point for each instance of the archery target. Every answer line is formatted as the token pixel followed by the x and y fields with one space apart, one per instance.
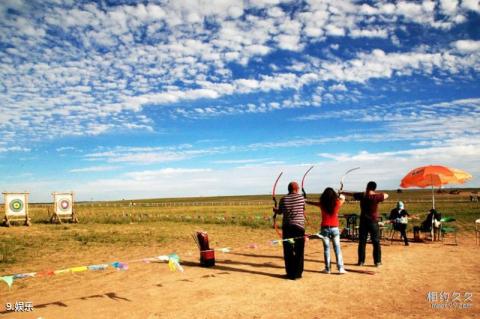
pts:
pixel 16 204
pixel 63 204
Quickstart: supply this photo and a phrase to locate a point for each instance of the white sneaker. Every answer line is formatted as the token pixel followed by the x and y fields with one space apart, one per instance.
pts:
pixel 342 271
pixel 325 271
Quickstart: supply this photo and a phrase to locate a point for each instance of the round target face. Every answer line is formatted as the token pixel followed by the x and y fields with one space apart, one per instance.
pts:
pixel 16 205
pixel 64 204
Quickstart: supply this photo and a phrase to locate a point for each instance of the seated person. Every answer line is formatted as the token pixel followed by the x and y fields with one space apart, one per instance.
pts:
pixel 399 219
pixel 426 226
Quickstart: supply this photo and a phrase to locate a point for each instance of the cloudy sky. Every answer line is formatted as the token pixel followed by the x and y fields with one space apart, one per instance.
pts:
pixel 126 99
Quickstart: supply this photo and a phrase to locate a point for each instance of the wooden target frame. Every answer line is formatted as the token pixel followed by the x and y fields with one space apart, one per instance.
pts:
pixel 16 208
pixel 63 208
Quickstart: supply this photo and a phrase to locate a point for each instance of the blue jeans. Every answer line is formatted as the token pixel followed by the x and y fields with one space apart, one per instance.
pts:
pixel 334 234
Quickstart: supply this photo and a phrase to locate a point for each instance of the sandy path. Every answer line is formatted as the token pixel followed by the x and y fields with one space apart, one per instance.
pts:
pixel 248 283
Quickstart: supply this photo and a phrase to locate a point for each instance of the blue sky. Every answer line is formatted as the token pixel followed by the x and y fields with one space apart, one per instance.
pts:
pixel 125 99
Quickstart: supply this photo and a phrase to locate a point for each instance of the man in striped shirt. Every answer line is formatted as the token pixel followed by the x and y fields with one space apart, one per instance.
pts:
pixel 292 207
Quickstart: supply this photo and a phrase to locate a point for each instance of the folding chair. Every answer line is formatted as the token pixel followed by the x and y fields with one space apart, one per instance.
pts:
pixel 385 230
pixel 445 229
pixel 352 226
pixel 394 231
pixel 384 227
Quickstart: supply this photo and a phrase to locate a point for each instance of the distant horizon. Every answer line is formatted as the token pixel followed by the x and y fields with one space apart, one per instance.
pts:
pixel 278 195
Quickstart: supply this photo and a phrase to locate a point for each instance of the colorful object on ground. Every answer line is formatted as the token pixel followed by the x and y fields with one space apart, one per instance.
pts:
pixel 174 263
pixel 223 250
pixel 79 269
pixel 62 271
pixel 26 275
pixel 434 176
pixel 45 273
pixel 172 259
pixel 8 280
pixel 98 267
pixel 119 265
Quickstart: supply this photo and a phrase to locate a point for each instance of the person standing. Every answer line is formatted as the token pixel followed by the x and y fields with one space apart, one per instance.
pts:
pixel 369 221
pixel 292 207
pixel 399 219
pixel 330 204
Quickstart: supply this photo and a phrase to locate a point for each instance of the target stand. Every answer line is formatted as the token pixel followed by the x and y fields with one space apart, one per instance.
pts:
pixel 63 208
pixel 16 209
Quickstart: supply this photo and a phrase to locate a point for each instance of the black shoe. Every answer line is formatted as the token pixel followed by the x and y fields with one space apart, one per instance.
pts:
pixel 407 244
pixel 360 264
pixel 378 264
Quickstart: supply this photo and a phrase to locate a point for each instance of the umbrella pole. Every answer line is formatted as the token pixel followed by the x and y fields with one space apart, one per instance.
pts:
pixel 433 198
pixel 433 206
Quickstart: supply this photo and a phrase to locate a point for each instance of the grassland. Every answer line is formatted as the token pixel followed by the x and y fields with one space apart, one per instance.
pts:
pixel 153 222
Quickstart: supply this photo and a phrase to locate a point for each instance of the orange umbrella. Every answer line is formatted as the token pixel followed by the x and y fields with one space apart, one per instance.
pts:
pixel 434 175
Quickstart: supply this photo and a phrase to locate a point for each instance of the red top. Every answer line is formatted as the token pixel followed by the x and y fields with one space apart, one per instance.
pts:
pixel 331 220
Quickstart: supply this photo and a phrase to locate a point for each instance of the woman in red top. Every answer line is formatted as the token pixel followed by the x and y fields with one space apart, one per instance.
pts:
pixel 330 204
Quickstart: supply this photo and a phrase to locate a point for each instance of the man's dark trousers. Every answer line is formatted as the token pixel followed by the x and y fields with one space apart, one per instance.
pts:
pixel 369 227
pixel 293 253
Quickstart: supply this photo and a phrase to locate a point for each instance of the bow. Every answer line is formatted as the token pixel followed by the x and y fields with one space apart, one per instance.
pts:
pixel 303 180
pixel 343 177
pixel 303 190
pixel 275 206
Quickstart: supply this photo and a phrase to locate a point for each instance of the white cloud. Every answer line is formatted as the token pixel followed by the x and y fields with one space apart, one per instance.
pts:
pixel 149 155
pixel 92 169
pixel 95 74
pixel 387 168
pixel 289 42
pixel 338 87
pixel 12 149
pixel 467 46
pixel 242 161
pixel 473 5
pixel 334 30
pixel 162 174
pixel 449 7
pixel 65 148
pixel 365 33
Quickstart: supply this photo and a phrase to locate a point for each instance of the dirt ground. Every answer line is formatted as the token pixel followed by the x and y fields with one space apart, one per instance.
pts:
pixel 249 283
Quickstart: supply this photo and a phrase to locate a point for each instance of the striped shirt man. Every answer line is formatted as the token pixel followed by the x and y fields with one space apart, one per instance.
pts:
pixel 292 206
